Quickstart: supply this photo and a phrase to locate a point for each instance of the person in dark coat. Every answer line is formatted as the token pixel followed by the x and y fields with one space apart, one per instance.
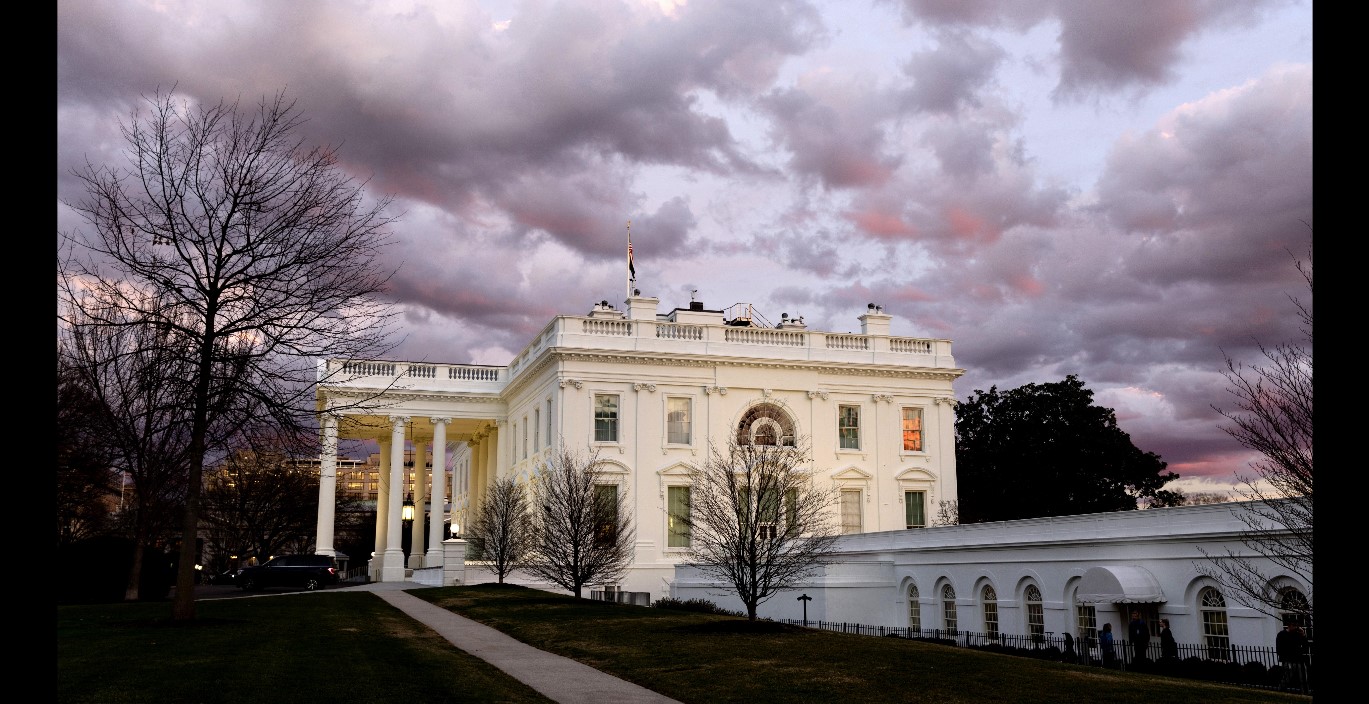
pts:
pixel 1169 649
pixel 1105 646
pixel 1138 633
pixel 1291 645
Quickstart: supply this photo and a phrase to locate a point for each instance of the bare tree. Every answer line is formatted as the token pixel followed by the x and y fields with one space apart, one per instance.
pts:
pixel 261 503
pixel 143 422
pixel 256 253
pixel 757 520
pixel 1273 416
pixel 583 529
pixel 947 513
pixel 503 530
pixel 86 472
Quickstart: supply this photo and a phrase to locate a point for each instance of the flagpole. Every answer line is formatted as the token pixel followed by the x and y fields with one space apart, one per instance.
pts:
pixel 631 270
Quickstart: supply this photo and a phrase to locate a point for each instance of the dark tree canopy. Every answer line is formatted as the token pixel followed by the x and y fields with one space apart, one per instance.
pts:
pixel 1047 450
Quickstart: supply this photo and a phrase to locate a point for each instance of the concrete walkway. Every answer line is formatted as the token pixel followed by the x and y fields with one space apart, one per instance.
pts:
pixel 555 677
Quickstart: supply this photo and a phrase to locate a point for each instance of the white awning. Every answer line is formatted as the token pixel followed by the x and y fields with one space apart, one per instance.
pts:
pixel 1122 584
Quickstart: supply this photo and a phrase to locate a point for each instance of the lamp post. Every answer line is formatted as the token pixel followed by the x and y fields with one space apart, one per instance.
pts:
pixel 805 599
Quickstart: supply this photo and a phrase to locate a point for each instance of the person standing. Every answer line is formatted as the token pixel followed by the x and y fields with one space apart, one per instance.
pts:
pixel 1105 645
pixel 1291 646
pixel 1138 633
pixel 1169 648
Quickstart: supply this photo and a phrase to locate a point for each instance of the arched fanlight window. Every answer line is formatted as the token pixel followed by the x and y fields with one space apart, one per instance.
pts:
pixel 948 609
pixel 1216 634
pixel 765 424
pixel 1293 606
pixel 990 599
pixel 1036 615
pixel 914 611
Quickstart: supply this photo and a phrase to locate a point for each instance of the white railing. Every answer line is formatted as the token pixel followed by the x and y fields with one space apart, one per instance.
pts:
pixel 909 345
pixel 607 327
pixel 671 331
pixel 369 368
pixel 848 342
pixel 468 373
pixel 762 336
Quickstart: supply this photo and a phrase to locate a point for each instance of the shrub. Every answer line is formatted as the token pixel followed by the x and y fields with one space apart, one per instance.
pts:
pixel 702 606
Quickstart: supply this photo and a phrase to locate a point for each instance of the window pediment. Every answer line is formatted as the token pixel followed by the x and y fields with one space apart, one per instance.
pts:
pixel 915 474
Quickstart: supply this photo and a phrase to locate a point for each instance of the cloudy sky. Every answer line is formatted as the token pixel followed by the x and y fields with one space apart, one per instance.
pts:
pixel 1104 188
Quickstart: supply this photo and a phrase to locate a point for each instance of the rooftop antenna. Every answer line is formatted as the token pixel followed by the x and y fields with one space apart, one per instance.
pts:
pixel 693 294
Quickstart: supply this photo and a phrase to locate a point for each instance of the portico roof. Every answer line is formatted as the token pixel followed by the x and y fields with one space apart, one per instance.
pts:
pixel 1119 584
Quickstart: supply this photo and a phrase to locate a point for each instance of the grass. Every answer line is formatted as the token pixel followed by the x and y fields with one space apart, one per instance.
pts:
pixel 352 646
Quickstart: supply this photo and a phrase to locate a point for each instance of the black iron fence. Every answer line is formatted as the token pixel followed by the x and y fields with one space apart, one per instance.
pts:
pixel 1255 666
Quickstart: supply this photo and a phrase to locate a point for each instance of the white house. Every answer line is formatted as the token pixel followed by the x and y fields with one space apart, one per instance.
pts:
pixel 649 390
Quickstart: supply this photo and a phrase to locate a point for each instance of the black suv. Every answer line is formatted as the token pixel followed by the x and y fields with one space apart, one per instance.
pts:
pixel 305 571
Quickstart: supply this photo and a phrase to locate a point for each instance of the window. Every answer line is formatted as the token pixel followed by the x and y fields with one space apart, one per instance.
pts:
pixel 537 430
pixel 605 418
pixel 1036 616
pixel 915 509
pixel 525 437
pixel 606 513
pixel 990 599
pixel 1086 619
pixel 677 517
pixel 912 429
pixel 765 424
pixel 948 609
pixel 848 427
pixel 1216 635
pixel 677 420
pixel 767 511
pixel 1294 607
pixel 548 422
pixel 914 611
pixel 850 511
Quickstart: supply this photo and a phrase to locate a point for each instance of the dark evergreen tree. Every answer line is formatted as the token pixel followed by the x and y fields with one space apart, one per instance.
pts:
pixel 1047 450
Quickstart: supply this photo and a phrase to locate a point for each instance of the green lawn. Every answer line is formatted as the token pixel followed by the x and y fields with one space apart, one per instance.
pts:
pixel 351 646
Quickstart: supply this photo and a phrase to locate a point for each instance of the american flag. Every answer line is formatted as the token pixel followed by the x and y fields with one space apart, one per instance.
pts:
pixel 631 270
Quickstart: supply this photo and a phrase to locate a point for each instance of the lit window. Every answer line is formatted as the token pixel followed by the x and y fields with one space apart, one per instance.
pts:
pixel 850 511
pixel 990 599
pixel 677 420
pixel 914 610
pixel 912 429
pixel 948 609
pixel 848 427
pixel 1216 635
pixel 677 517
pixel 915 509
pixel 605 418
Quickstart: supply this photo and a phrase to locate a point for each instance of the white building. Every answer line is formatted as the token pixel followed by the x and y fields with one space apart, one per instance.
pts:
pixel 648 391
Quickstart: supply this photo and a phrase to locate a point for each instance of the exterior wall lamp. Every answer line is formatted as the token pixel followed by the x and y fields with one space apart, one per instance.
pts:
pixel 407 513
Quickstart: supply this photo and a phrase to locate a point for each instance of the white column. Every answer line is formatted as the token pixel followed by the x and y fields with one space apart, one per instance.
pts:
pixel 327 487
pixel 435 536
pixel 420 500
pixel 393 567
pixel 382 503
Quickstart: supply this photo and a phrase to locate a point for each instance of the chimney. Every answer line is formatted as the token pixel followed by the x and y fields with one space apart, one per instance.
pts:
pixel 641 307
pixel 875 321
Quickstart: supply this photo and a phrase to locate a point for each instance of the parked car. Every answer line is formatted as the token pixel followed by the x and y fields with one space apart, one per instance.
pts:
pixel 299 571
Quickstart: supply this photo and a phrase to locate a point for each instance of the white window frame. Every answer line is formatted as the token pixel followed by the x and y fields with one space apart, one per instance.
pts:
pixel 949 618
pixel 859 510
pixel 1216 624
pixel 669 534
pixel 1036 612
pixel 922 430
pixel 989 596
pixel 841 436
pixel 688 421
pixel 914 611
pixel 617 417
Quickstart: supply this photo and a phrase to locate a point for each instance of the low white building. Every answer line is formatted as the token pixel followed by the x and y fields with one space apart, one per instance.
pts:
pixel 1039 576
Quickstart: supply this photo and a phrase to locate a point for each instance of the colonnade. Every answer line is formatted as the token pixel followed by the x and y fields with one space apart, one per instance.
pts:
pixel 388 563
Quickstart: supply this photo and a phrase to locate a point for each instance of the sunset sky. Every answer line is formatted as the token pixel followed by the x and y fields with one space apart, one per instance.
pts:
pixel 1105 188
